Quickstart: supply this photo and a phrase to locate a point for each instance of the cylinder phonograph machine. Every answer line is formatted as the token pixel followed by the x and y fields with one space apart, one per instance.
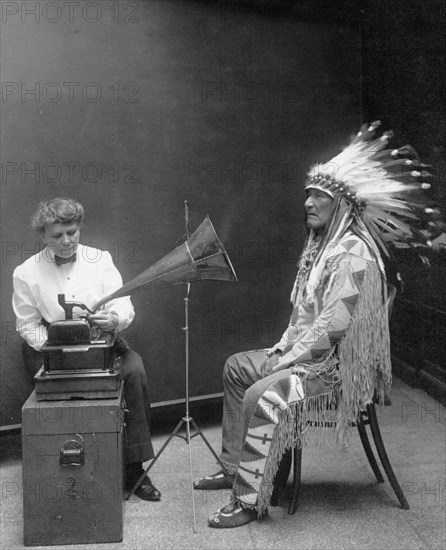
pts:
pixel 79 359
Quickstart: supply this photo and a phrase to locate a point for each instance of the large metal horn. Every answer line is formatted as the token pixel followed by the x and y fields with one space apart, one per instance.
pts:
pixel 201 257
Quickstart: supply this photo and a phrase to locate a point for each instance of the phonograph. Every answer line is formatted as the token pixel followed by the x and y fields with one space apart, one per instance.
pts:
pixel 78 359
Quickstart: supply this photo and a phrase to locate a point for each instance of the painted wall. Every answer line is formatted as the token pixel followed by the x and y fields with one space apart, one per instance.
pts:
pixel 134 107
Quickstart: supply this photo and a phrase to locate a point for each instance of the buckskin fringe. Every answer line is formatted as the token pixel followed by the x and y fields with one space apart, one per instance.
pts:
pixel 291 430
pixel 364 353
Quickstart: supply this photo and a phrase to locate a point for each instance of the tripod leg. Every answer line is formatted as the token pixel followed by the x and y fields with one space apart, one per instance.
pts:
pixel 138 483
pixel 188 440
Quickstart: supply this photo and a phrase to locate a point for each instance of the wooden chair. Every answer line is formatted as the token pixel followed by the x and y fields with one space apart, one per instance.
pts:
pixel 367 418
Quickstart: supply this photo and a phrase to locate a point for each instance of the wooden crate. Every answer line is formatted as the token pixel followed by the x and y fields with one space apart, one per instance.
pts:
pixel 72 471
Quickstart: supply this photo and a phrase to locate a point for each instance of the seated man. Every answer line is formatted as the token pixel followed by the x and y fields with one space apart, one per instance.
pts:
pixel 334 356
pixel 86 275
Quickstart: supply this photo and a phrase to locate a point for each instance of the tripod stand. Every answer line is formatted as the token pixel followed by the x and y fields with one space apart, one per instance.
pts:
pixel 187 420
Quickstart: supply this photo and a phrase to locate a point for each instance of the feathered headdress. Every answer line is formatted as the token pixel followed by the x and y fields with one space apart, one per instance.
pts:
pixel 381 187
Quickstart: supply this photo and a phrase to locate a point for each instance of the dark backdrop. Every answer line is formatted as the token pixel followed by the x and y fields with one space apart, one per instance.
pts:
pixel 133 107
pixel 403 64
pixel 134 110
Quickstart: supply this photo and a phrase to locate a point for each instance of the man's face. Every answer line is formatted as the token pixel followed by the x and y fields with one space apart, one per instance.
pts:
pixel 318 209
pixel 62 238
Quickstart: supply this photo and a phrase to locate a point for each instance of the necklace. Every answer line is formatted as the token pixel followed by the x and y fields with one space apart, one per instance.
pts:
pixel 305 265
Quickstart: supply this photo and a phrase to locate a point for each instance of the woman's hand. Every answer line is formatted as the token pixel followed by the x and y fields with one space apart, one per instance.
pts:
pixel 108 321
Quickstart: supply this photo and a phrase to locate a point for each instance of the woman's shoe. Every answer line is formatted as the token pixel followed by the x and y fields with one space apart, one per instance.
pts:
pixel 146 490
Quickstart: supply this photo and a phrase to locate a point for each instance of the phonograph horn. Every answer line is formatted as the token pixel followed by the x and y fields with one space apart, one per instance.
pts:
pixel 201 257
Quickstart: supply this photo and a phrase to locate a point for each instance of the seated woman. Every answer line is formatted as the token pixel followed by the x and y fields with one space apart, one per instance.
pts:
pixel 86 275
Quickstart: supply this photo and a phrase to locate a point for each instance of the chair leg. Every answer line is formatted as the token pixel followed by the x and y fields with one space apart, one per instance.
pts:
pixel 371 410
pixel 281 478
pixel 368 450
pixel 297 471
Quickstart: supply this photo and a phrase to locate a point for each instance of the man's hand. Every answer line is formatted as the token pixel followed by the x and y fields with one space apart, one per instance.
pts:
pixel 107 321
pixel 270 362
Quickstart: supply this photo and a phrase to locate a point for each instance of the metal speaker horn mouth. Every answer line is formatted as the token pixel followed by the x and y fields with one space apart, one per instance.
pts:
pixel 201 257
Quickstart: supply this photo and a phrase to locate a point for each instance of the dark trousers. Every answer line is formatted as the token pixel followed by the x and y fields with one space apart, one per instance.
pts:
pixel 138 440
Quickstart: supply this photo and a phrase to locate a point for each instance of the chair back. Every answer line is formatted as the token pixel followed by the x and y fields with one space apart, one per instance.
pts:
pixel 391 293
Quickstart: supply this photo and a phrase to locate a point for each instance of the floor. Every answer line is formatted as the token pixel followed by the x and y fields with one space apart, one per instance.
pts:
pixel 341 504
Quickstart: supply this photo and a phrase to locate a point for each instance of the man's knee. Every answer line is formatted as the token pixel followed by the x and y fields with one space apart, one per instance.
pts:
pixel 231 368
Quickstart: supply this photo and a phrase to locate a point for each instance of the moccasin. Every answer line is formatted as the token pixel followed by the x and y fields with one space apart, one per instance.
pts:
pixel 214 482
pixel 232 515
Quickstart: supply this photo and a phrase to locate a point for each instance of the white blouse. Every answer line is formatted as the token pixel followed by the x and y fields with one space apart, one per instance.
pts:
pixel 38 281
